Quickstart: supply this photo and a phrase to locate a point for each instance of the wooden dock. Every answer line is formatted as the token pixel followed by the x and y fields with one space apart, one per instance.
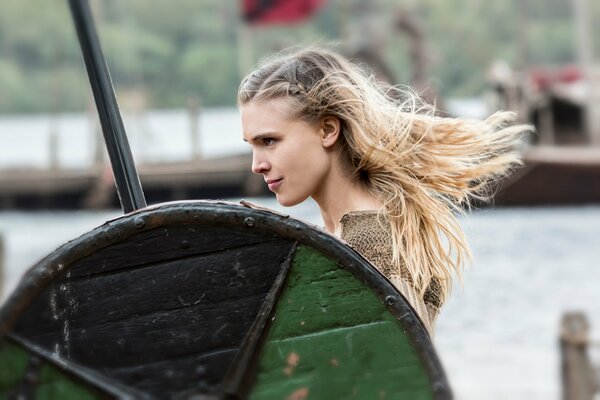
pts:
pixel 221 177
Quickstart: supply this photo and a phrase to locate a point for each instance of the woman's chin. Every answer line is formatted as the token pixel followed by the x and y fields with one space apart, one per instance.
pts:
pixel 287 201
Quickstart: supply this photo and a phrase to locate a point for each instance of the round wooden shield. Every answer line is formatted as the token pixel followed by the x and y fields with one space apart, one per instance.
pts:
pixel 211 300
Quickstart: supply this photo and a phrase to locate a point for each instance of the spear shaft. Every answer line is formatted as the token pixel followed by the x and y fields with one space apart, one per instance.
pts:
pixel 127 180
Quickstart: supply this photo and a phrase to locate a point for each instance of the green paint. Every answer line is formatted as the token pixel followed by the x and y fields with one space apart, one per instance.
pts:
pixel 53 384
pixel 13 363
pixel 332 338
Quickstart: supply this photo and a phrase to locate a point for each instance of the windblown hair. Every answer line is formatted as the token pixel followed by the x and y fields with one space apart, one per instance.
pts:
pixel 424 169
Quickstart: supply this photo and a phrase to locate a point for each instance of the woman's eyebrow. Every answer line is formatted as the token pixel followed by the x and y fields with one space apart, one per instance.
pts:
pixel 261 136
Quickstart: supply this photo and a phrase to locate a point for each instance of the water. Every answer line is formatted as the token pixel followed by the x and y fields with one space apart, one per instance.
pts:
pixel 497 338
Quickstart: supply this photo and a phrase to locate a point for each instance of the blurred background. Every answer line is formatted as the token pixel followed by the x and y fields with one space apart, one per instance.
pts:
pixel 176 67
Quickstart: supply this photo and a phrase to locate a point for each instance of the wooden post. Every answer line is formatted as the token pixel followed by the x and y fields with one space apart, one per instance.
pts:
pixel 53 145
pixel 194 106
pixel 578 377
pixel 546 122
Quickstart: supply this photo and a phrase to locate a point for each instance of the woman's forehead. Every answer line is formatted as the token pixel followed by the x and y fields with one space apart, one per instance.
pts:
pixel 279 105
pixel 260 118
pixel 256 114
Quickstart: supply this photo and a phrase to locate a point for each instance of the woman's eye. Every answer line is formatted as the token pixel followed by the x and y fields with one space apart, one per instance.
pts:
pixel 269 141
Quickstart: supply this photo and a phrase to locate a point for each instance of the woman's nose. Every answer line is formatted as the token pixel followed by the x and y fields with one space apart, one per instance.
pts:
pixel 259 164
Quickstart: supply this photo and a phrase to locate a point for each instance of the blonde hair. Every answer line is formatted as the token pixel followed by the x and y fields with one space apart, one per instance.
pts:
pixel 423 168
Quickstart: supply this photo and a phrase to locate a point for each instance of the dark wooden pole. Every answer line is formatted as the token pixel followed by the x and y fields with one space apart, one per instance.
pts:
pixel 126 177
pixel 578 378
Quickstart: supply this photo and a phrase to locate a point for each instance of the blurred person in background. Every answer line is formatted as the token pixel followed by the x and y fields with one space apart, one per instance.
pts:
pixel 387 174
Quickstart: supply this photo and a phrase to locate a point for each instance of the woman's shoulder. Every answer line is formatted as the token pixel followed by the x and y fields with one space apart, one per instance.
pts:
pixel 356 220
pixel 365 227
pixel 368 232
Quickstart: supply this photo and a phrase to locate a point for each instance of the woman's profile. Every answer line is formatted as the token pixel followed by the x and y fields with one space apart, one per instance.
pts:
pixel 387 174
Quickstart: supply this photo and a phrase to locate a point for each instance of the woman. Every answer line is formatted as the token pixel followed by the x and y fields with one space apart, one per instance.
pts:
pixel 386 173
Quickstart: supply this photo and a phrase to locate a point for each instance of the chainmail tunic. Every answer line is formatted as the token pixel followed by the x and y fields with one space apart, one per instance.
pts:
pixel 365 234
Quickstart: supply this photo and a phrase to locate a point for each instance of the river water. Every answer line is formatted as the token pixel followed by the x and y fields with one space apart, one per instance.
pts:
pixel 497 337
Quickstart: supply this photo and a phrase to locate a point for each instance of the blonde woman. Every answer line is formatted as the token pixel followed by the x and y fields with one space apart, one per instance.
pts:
pixel 387 174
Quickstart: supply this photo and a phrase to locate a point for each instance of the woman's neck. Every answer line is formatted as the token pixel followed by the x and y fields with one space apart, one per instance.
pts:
pixel 339 196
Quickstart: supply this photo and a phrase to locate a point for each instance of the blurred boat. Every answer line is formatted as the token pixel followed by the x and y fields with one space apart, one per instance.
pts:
pixel 562 159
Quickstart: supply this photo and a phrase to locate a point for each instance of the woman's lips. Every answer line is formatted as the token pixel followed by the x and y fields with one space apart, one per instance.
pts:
pixel 274 184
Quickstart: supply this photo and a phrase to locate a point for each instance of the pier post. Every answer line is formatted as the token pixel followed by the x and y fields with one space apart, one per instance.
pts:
pixel 546 123
pixel 194 106
pixel 53 146
pixel 578 378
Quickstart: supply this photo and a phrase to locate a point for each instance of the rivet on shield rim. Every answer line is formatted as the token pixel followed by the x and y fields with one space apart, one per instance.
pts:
pixel 390 300
pixel 139 222
pixel 249 221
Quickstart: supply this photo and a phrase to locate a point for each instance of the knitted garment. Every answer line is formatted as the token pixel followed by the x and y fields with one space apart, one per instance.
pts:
pixel 365 234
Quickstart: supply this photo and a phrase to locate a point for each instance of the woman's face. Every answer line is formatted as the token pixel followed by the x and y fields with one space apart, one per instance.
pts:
pixel 291 154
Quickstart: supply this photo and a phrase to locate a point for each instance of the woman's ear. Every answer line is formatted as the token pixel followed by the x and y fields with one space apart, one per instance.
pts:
pixel 330 130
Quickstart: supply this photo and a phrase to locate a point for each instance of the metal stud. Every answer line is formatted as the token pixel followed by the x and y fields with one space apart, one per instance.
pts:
pixel 139 222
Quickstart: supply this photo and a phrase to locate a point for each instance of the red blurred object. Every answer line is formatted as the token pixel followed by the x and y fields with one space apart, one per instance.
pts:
pixel 545 77
pixel 268 12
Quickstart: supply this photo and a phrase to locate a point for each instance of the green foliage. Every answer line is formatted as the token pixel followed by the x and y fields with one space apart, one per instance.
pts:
pixel 180 48
pixel 218 63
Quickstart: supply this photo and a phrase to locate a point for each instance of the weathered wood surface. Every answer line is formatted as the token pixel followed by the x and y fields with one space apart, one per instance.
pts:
pixel 164 244
pixel 240 376
pixel 193 311
pixel 579 379
pixel 208 299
